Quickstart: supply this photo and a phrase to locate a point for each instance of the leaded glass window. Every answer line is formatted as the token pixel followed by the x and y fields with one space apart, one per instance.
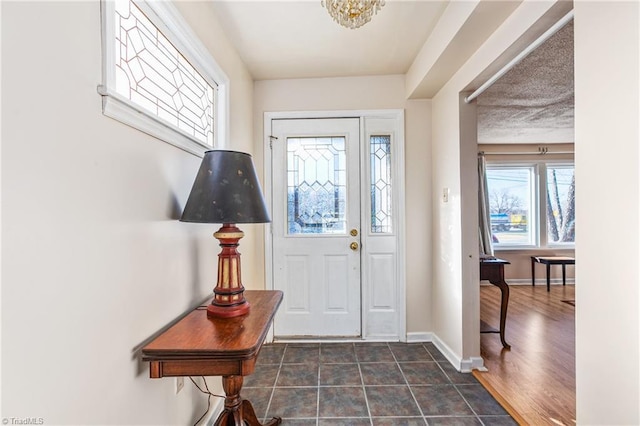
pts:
pixel 381 206
pixel 316 185
pixel 155 76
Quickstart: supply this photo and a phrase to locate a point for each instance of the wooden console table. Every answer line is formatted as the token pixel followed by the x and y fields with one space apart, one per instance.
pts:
pixel 493 271
pixel 228 347
pixel 551 260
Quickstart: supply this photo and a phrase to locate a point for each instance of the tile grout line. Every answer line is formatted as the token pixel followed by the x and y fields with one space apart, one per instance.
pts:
pixel 338 357
pixel 467 402
pixel 408 384
pixel 364 389
pixel 455 386
pixel 318 383
pixel 273 388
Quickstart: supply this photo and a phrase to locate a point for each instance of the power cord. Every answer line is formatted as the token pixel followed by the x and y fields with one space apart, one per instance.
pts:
pixel 206 392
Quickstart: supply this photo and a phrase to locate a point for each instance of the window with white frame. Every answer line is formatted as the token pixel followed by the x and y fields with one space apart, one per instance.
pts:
pixel 560 208
pixel 531 204
pixel 159 78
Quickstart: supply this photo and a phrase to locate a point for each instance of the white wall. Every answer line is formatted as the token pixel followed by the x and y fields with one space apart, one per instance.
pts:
pixel 94 261
pixel 607 75
pixel 607 160
pixel 368 93
pixel 456 276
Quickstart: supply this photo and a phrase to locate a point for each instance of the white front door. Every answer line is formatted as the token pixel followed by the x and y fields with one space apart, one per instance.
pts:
pixel 316 226
pixel 335 246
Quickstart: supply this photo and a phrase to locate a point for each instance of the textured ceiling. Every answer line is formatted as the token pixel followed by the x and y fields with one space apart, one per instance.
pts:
pixel 534 101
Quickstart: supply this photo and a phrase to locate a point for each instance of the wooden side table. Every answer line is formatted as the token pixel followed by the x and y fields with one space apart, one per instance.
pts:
pixel 228 347
pixel 551 260
pixel 493 271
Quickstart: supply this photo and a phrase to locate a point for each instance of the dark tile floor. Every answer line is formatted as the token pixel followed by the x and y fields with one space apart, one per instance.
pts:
pixel 374 384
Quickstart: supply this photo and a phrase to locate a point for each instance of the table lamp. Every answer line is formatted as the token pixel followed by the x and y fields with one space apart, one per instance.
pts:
pixel 227 191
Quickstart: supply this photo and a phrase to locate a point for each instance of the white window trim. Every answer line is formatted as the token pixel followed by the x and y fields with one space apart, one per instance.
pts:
pixel 534 222
pixel 539 204
pixel 166 17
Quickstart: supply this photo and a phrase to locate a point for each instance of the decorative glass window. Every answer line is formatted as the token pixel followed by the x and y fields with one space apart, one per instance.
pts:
pixel 155 78
pixel 381 203
pixel 317 185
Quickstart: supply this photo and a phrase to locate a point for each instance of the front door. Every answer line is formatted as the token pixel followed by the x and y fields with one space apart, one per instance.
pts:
pixel 316 226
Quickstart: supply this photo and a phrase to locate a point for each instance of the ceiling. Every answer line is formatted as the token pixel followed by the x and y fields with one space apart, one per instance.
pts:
pixel 298 39
pixel 532 103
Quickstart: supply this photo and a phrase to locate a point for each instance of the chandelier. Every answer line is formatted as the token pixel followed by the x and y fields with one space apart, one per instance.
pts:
pixel 352 14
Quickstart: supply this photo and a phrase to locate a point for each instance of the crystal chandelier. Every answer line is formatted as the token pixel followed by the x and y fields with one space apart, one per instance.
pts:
pixel 352 14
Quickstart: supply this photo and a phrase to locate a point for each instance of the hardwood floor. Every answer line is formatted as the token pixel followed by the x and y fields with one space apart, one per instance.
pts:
pixel 536 378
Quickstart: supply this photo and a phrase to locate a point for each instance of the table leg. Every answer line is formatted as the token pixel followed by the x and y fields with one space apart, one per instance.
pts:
pixel 564 274
pixel 548 277
pixel 533 271
pixel 239 412
pixel 504 303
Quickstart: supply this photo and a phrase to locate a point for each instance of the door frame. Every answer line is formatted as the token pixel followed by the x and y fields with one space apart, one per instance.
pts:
pixel 399 204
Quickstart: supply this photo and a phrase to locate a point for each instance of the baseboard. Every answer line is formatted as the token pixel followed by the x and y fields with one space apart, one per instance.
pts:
pixel 335 339
pixel 420 337
pixel 539 281
pixel 447 352
pixel 473 363
pixel 462 365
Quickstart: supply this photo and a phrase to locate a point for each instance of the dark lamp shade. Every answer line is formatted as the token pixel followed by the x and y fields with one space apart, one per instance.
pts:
pixel 226 190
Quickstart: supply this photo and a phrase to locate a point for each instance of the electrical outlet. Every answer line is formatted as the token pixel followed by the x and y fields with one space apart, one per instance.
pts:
pixel 179 384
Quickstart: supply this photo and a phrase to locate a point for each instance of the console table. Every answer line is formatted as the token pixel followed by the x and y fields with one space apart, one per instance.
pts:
pixel 492 270
pixel 551 260
pixel 228 347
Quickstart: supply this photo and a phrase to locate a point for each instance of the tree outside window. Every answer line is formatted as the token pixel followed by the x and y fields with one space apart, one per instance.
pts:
pixel 561 211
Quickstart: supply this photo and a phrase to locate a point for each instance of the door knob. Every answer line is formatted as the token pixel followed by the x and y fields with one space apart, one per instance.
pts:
pixel 354 232
pixel 353 246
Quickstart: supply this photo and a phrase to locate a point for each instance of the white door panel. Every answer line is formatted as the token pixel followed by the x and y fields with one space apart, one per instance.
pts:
pixel 316 202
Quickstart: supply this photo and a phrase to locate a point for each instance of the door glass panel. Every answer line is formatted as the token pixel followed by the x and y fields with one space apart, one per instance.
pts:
pixel 380 149
pixel 316 185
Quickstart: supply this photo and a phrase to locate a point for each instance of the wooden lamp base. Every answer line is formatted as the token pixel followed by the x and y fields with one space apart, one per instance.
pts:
pixel 228 300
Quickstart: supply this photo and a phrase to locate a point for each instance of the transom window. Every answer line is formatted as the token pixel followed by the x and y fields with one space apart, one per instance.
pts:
pixel 158 77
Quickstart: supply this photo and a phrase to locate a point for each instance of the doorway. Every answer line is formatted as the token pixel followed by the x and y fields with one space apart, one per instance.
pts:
pixel 333 245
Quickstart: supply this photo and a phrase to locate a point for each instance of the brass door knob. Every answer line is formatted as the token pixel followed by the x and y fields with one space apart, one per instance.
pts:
pixel 354 232
pixel 353 246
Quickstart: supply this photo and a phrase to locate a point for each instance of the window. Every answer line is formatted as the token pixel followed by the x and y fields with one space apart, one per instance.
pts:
pixel 560 206
pixel 511 204
pixel 159 78
pixel 531 205
pixel 316 185
pixel 380 181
